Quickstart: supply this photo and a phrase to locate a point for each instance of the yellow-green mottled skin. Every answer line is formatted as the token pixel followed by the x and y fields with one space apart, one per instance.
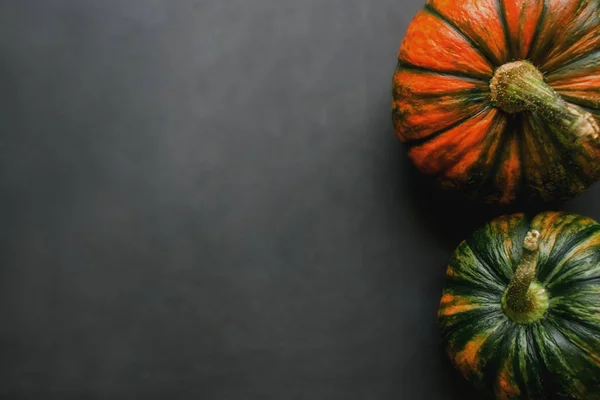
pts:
pixel 555 357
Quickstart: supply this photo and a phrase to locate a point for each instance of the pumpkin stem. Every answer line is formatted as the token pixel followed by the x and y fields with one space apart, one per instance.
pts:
pixel 519 86
pixel 526 301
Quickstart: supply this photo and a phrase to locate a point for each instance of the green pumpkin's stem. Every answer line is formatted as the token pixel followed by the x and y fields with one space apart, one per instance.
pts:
pixel 526 301
pixel 519 86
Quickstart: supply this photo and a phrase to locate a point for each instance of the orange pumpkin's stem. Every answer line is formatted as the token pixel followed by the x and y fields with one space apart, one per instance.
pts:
pixel 526 301
pixel 519 86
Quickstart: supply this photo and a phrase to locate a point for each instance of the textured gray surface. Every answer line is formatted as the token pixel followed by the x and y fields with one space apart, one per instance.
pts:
pixel 204 199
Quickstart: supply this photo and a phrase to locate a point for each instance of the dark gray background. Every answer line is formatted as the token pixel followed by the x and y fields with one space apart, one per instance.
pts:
pixel 205 199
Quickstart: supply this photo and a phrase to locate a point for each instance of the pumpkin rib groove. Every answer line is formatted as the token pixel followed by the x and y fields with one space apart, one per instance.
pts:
pixel 543 45
pixel 499 159
pixel 453 325
pixel 538 27
pixel 568 64
pixel 574 39
pixel 580 102
pixel 512 51
pixel 483 277
pixel 563 152
pixel 565 93
pixel 479 95
pixel 481 91
pixel 574 323
pixel 579 279
pixel 564 339
pixel 468 77
pixel 466 288
pixel 551 75
pixel 538 347
pixel 547 276
pixel 550 357
pixel 485 53
pixel 558 341
pixel 492 171
pixel 589 98
pixel 540 156
pixel 561 250
pixel 420 141
pixel 557 255
pixel 495 181
pixel 489 140
pixel 485 185
pixel 583 103
pixel 568 335
pixel 579 327
pixel 516 359
pixel 534 383
pixel 497 366
pixel 591 280
pixel 480 315
pixel 493 363
pixel 499 256
pixel 491 275
pixel 520 132
pixel 577 282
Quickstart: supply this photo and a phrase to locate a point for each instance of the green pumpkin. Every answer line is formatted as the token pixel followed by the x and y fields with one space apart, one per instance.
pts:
pixel 520 310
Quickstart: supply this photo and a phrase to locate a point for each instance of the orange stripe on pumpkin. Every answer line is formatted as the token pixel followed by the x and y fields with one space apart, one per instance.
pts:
pixel 504 227
pixel 479 20
pixel 432 44
pixel 461 169
pixel 445 150
pixel 447 298
pixel 522 18
pixel 429 102
pixel 420 117
pixel 467 360
pixel 589 80
pixel 583 85
pixel 508 245
pixel 506 387
pixel 545 223
pixel 501 226
pixel 454 309
pixel 451 305
pixel 450 272
pixel 588 83
pixel 509 174
pixel 548 227
pixel 416 83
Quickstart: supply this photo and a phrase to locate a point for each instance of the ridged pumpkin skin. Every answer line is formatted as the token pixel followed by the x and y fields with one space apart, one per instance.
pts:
pixel 555 357
pixel 443 110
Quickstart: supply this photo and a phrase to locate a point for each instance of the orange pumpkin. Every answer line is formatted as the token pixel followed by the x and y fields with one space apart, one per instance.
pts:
pixel 500 99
